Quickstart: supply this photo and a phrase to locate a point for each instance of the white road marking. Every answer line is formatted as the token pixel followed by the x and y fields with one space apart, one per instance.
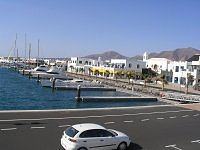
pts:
pixel 7 129
pixel 109 122
pixel 102 116
pixel 196 115
pixel 172 117
pixel 128 121
pixel 145 120
pixel 37 127
pixel 196 141
pixel 160 118
pixel 66 125
pixel 173 146
pixel 185 116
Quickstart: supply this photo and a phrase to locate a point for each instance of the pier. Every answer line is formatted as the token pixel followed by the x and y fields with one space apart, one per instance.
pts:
pixel 85 88
pixel 115 98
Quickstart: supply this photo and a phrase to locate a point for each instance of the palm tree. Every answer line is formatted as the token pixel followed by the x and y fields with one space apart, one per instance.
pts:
pixel 89 71
pixel 71 68
pixel 162 79
pixel 129 75
pixel 106 73
pixel 81 70
pixel 190 80
pixel 138 75
pixel 96 72
pixel 117 74
pixel 147 79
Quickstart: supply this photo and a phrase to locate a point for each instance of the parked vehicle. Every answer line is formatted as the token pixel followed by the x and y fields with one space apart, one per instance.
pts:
pixel 89 136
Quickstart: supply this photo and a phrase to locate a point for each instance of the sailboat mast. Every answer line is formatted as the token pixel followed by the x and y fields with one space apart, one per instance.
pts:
pixel 25 48
pixel 29 55
pixel 38 52
pixel 15 49
pixel 17 55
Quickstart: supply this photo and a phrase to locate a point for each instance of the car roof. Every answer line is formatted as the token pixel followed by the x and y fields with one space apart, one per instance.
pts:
pixel 87 126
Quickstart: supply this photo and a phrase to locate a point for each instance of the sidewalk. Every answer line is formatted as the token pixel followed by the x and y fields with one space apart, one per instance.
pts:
pixel 178 88
pixel 195 106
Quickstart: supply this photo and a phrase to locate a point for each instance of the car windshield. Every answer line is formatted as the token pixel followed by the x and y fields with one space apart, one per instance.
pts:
pixel 71 132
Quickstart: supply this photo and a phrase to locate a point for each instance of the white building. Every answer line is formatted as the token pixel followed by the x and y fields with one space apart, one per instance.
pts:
pixel 156 64
pixel 179 69
pixel 77 64
pixel 135 65
pixel 193 67
pixel 108 68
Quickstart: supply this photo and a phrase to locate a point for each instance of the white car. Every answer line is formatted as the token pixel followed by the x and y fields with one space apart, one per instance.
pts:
pixel 89 136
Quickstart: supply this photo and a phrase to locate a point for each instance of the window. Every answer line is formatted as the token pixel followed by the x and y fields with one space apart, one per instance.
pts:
pixel 138 66
pixel 182 80
pixel 175 79
pixel 182 68
pixel 96 133
pixel 71 131
pixel 177 69
pixel 88 134
pixel 80 62
pixel 86 62
pixel 104 133
pixel 129 65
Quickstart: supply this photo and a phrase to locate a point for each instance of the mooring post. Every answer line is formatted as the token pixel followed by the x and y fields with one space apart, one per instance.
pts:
pixel 53 83
pixel 78 93
pixel 38 78
pixel 29 75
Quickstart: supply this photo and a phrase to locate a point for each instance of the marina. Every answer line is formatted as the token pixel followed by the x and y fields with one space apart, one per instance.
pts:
pixel 23 93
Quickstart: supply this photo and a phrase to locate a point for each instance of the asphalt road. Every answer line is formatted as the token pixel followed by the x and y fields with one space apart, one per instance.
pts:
pixel 151 128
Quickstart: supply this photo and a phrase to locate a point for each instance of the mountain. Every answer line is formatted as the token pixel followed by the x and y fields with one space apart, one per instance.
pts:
pixel 107 56
pixel 179 54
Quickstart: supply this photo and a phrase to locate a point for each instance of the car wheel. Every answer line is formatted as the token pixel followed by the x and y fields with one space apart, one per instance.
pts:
pixel 82 148
pixel 122 146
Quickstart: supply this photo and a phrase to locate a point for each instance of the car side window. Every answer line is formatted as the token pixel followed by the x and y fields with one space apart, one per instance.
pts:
pixel 88 134
pixel 95 133
pixel 104 133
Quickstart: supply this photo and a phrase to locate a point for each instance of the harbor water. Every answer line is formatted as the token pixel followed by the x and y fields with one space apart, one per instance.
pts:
pixel 18 92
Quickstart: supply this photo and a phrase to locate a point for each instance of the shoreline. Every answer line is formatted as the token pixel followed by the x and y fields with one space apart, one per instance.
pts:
pixel 137 90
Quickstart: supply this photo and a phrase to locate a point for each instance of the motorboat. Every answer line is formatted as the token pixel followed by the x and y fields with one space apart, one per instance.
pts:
pixel 38 69
pixel 53 72
pixel 58 82
pixel 69 83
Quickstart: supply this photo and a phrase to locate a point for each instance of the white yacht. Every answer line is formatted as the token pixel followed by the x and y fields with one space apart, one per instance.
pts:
pixel 69 83
pixel 53 72
pixel 38 69
pixel 49 82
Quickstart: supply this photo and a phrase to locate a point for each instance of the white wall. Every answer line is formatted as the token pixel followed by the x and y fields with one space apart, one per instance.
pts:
pixel 161 63
pixel 179 70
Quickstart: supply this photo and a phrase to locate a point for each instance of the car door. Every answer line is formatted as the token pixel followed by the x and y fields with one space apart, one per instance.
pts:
pixel 107 139
pixel 91 140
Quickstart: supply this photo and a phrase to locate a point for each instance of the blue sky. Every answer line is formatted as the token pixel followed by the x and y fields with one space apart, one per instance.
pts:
pixel 68 28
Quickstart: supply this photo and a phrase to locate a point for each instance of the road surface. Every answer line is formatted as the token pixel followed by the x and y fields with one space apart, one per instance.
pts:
pixel 150 128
